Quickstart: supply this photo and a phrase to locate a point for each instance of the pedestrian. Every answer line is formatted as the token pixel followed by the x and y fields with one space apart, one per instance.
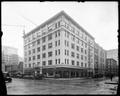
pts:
pixel 111 77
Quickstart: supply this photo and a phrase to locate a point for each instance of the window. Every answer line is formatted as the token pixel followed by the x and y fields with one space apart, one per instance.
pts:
pixel 59 24
pixel 33 57
pixel 82 50
pixel 58 51
pixel 67 61
pixel 73 37
pixel 43 39
pixel 38 49
pixel 29 58
pixel 85 52
pixel 49 54
pixel 55 34
pixel 33 36
pixel 77 63
pixel 55 25
pixel 67 26
pixel 78 56
pixel 33 44
pixel 82 43
pixel 33 64
pixel 81 64
pixel 81 57
pixel 85 45
pixel 38 63
pixel 29 52
pixel 72 54
pixel 65 43
pixel 50 37
pixel 50 28
pixel 58 32
pixel 67 52
pixel 58 42
pixel 58 61
pixel 55 61
pixel 38 56
pixel 38 34
pixel 33 50
pixel 49 62
pixel 43 47
pixel 55 52
pixel 55 43
pixel 77 48
pixel 73 62
pixel 44 63
pixel 43 55
pixel 67 34
pixel 72 46
pixel 49 45
pixel 29 65
pixel 38 41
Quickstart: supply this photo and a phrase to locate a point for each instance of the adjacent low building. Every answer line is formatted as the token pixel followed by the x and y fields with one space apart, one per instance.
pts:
pixel 111 67
pixel 113 53
pixel 9 59
pixel 100 56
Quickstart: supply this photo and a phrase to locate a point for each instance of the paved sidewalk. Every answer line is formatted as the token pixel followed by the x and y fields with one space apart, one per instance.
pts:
pixel 66 78
pixel 107 88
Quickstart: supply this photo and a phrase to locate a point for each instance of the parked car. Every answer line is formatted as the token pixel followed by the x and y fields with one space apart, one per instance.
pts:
pixel 39 76
pixel 26 76
pixel 7 77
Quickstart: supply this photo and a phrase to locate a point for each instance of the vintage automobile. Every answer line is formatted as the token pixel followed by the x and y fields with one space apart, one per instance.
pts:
pixel 7 77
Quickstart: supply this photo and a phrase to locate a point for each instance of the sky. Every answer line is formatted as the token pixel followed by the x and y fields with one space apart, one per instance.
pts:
pixel 100 19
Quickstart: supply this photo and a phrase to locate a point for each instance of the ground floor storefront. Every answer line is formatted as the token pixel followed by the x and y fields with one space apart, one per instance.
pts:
pixel 60 72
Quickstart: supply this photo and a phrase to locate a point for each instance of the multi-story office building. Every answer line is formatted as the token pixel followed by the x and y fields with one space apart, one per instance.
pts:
pixel 9 58
pixel 113 53
pixel 59 46
pixel 111 67
pixel 99 59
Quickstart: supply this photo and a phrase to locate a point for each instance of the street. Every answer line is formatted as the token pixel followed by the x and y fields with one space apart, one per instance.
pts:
pixel 53 86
